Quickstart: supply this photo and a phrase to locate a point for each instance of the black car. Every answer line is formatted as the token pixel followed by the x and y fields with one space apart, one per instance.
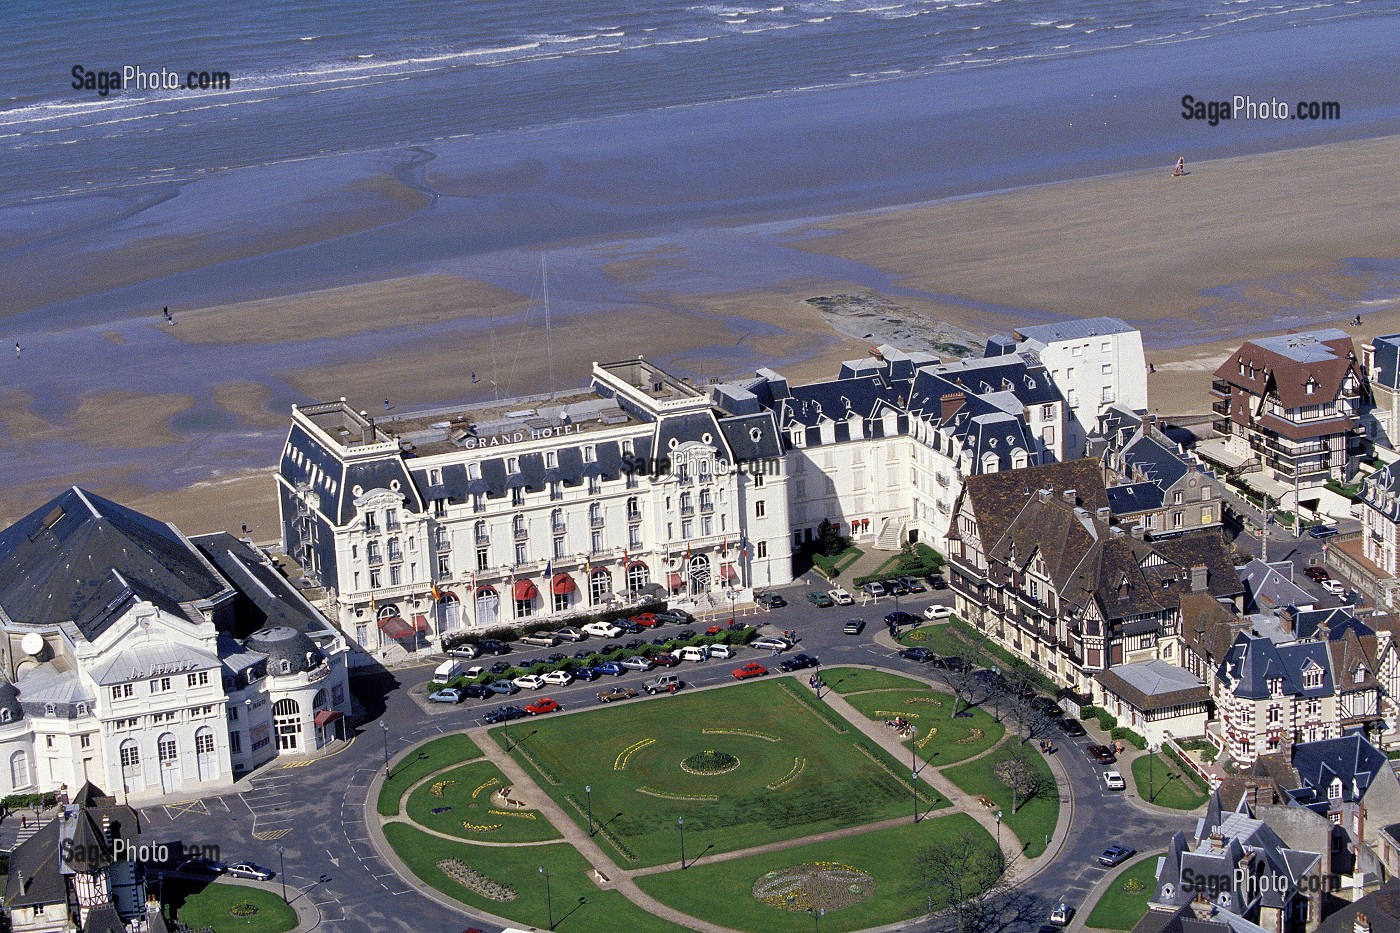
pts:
pixel 504 714
pixel 492 646
pixel 476 691
pixel 901 618
pixel 584 655
pixel 628 627
pixel 557 657
pixel 961 665
pixel 529 663
pixel 913 584
pixel 936 582
pixel 991 680
pixel 684 634
pixel 796 663
pixel 635 643
pixel 584 672
pixel 500 667
pixel 770 600
pixel 1046 707
pixel 896 587
pixel 661 640
pixel 1102 754
pixel 922 655
pixel 1071 727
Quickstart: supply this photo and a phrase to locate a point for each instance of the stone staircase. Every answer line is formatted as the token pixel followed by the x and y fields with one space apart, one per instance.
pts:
pixel 890 534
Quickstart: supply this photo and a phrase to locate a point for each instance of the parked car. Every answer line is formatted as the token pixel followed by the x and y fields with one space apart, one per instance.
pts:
pixel 875 588
pixel 1061 914
pixel 1102 754
pixel 896 587
pixel 500 667
pixel 584 655
pixel 635 643
pixel 1046 707
pixel 663 660
pixel 493 646
pixel 637 663
pixel 645 619
pixel 935 613
pixel 473 672
pixel 628 627
pixel 611 647
pixel 1323 531
pixel 558 678
pixel 936 582
pixel 1334 587
pixel 769 643
pixel 540 639
pixel 610 667
pixel 465 652
pixel 504 714
pixel 1072 727
pixel 853 626
pixel 569 633
pixel 616 693
pixel 447 695
pixel 841 596
pixel 901 618
pixel 602 629
pixel 529 682
pixel 913 584
pixel 770 601
pixel 685 634
pixel 541 706
pixel 584 672
pixel 796 663
pixel 251 870
pixel 1116 855
pixel 674 617
pixel 723 652
pixel 557 657
pixel 202 866
pixel 820 600
pixel 662 683
pixel 921 655
pixel 691 653
pixel 530 663
pixel 477 691
pixel 1113 780
pixel 505 687
pixel 752 669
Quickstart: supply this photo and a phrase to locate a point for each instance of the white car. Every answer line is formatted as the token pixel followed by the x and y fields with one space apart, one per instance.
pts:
pixel 1333 587
pixel 558 678
pixel 723 652
pixel 250 870
pixel 840 596
pixel 935 612
pixel 770 644
pixel 474 671
pixel 1113 780
pixel 529 682
pixel 602 629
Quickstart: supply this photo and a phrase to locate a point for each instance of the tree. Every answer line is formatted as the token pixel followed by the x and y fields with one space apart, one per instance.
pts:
pixel 1022 780
pixel 829 541
pixel 967 875
pixel 961 677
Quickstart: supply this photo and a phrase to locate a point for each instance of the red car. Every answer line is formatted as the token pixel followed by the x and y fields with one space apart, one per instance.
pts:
pixel 752 669
pixel 1317 573
pixel 542 705
pixel 662 660
pixel 645 619
pixel 713 630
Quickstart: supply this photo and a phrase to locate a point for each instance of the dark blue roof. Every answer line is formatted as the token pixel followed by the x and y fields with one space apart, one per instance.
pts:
pixel 1338 620
pixel 1387 361
pixel 1150 459
pixel 1254 660
pixel 1129 498
pixel 1351 758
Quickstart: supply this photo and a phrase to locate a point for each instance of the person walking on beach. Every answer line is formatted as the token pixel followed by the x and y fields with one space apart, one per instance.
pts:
pixel 16 349
pixel 1180 167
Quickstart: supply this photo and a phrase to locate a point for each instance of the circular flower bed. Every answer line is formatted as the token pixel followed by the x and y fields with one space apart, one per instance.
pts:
pixel 817 885
pixel 709 762
pixel 243 909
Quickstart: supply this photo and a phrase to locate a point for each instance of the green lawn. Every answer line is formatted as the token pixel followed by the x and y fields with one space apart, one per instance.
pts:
pixel 421 762
pixel 467 800
pixel 1119 909
pixel 1170 788
pixel 209 907
pixel 723 892
pixel 879 696
pixel 578 905
pixel 797 774
pixel 846 680
pixel 838 562
pixel 1035 819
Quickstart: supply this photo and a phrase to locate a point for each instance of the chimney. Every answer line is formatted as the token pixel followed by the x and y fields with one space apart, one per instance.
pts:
pixel 1070 495
pixel 367 432
pixel 1137 532
pixel 1201 908
pixel 1102 513
pixel 1217 839
pixel 1362 924
pixel 1146 423
pixel 1200 577
pixel 1045 494
pixel 950 404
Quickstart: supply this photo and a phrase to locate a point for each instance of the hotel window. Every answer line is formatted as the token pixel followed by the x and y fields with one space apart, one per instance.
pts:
pixel 706 525
pixel 556 491
pixel 703 470
pixel 760 509
pixel 1275 714
pixel 1106 369
pixel 627 449
pixel 444 568
pixel 200 679
pixel 512 465
pixel 1107 395
pixel 524 608
pixel 235 743
pixel 1178 519
pixel 559 547
pixel 687 528
pixel 551 459
pixel 473 471
pixel 1047 412
pixel 395 574
pixel 520 556
pixel 395 549
pixel 391 519
pixel 683 472
pixel 561 602
pixel 357 580
pixel 595 485
pixel 634 537
pixel 435 477
pixel 354 552
pixel 758 481
pixel 518 527
pixel 121 691
pixel 439 508
pixel 483 558
pixel 160 685
pixel 361 634
pixel 590 454
pixel 478 503
pixel 1076 350
pixel 371 523
pixel 761 549
pixel 1177 496
pixel 596 542
pixel 517 496
pixel 1069 373
pixel 1106 346
pixel 670 531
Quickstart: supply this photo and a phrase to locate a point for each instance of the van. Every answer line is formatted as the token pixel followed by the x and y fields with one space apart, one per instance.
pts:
pixel 691 653
pixel 447 670
pixel 663 682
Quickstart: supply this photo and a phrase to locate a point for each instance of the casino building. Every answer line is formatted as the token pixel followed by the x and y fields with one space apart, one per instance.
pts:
pixel 637 486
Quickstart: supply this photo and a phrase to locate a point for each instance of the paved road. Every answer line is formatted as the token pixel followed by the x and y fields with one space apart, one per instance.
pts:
pixel 316 811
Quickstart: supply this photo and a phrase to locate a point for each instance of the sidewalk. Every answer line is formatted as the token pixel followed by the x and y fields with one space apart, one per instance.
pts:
pixel 1125 766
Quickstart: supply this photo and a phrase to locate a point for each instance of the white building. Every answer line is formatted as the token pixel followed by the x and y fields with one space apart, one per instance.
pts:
pixel 429 524
pixel 1096 362
pixel 128 649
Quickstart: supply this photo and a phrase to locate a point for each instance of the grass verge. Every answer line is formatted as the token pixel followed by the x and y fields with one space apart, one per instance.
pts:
pixel 1035 819
pixel 421 762
pixel 209 906
pixel 1120 908
pixel 464 808
pixel 1169 786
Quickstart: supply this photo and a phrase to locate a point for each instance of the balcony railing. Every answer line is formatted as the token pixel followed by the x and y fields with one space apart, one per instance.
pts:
pixel 595 521
pixel 707 506
pixel 559 528
pixel 634 515
pixel 521 534
pixel 395 554
pixel 375 559
pixel 687 510
pixel 444 545
pixel 1221 407
pixel 1221 427
pixel 482 538
pixel 1220 386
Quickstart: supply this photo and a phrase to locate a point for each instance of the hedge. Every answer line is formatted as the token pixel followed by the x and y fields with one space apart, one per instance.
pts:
pixel 1107 721
pixel 1127 735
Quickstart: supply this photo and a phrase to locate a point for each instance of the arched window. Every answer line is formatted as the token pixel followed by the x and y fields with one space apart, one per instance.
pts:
pixel 706 500
pixel 319 702
pixel 488 606
pixel 479 533
pixel 638 575
pixel 595 514
pixel 166 748
pixel 699 574
pixel 286 707
pixel 599 585
pixel 387 610
pixel 206 760
pixel 556 521
pixel 395 549
pixel 449 611
pixel 19 769
pixel 131 755
pixel 286 721
pixel 686 505
pixel 634 511
pixel 517 525
pixel 372 552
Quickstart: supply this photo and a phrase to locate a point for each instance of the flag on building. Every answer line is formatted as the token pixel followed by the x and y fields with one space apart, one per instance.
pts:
pixel 549 569
pixel 437 594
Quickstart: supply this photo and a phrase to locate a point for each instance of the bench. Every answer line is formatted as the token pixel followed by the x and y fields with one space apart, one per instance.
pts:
pixel 986 801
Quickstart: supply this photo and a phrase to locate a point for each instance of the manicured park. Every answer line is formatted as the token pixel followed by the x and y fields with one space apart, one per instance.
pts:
pixel 228 908
pixel 425 760
pixel 939 738
pixel 1163 782
pixel 801 770
pixel 1125 902
pixel 1033 821
pixel 463 802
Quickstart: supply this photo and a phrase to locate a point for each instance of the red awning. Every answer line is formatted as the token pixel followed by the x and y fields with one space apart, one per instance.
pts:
pixel 525 590
pixel 563 584
pixel 728 573
pixel 675 580
pixel 327 716
pixel 395 627
pixel 420 623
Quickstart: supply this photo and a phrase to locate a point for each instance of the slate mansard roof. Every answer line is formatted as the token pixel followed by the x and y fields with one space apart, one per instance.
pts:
pixel 1350 758
pixel 1254 660
pixel 83 559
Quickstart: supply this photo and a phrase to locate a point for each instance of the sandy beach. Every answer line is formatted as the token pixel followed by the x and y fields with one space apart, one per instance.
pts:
pixel 1239 247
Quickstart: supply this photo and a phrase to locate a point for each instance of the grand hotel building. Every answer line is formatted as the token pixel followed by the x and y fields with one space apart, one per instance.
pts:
pixel 640 485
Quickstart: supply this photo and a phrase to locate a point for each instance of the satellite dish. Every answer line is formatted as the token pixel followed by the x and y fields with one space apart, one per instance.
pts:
pixel 32 644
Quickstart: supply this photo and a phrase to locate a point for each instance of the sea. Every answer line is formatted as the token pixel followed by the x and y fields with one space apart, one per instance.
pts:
pixel 309 79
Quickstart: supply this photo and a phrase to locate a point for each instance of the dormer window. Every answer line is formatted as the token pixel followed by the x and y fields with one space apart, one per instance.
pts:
pixel 1312 678
pixel 1334 790
pixel 473 471
pixel 1275 686
pixel 1358 674
pixel 1310 386
pixel 512 465
pixel 590 454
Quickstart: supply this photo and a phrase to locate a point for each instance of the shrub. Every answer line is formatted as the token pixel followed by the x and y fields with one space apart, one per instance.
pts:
pixel 1127 735
pixel 1107 721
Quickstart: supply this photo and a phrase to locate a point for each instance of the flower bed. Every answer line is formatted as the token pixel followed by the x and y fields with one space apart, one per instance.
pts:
pixel 815 886
pixel 473 880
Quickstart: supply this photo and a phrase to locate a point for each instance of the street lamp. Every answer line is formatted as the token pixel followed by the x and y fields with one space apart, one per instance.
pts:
pixel 385 727
pixel 282 865
pixel 548 898
pixel 914 785
pixel 816 916
pixel 680 825
pixel 1151 784
pixel 998 830
pixel 588 789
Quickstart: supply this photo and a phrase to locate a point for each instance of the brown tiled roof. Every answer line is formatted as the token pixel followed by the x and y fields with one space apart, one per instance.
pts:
pixel 998 497
pixel 1209 628
pixel 1288 377
pixel 1298 432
